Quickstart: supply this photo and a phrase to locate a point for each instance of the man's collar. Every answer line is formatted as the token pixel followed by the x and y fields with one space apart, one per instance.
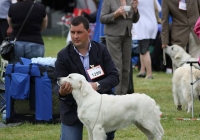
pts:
pixel 78 51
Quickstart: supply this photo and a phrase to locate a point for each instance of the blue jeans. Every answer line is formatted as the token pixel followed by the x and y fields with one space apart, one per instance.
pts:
pixel 27 50
pixel 75 132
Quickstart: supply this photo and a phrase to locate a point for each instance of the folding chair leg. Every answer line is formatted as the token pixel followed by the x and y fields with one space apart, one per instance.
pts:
pixel 2 103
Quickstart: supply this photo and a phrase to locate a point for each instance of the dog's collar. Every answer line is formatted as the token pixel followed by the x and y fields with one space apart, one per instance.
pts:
pixel 184 61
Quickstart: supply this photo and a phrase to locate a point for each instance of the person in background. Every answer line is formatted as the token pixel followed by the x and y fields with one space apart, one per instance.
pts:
pixel 81 56
pixel 79 7
pixel 184 15
pixel 117 30
pixel 146 29
pixel 87 4
pixel 29 43
pixel 5 30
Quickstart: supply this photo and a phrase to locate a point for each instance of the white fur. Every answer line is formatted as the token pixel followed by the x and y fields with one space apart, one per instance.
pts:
pixel 105 113
pixel 181 87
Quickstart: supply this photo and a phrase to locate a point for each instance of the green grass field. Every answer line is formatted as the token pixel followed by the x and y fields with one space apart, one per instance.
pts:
pixel 159 88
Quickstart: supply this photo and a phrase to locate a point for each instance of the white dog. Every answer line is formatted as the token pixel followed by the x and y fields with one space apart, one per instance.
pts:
pixel 181 87
pixel 102 113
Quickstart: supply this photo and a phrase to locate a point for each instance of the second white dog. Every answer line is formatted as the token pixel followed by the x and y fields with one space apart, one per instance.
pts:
pixel 182 89
pixel 102 113
pixel 181 80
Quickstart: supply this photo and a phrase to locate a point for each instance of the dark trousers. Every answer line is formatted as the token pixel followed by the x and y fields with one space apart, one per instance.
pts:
pixel 74 132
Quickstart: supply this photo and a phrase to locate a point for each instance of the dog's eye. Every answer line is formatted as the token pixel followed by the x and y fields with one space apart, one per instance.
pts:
pixel 172 48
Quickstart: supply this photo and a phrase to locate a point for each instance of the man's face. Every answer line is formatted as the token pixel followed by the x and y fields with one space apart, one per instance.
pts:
pixel 79 35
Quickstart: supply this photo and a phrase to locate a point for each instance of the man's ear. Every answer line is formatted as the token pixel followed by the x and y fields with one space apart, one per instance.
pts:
pixel 178 55
pixel 84 88
pixel 89 31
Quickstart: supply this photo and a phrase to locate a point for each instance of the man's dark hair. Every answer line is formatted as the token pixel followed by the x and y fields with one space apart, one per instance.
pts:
pixel 80 19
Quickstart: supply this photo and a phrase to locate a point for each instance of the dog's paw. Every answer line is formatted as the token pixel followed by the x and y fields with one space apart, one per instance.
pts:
pixel 179 107
pixel 188 111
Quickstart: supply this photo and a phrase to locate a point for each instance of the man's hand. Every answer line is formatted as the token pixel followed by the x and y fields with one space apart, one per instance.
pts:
pixel 65 89
pixel 119 12
pixel 9 30
pixel 94 85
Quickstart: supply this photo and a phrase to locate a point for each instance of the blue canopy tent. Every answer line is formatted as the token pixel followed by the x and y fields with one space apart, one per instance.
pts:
pixel 98 32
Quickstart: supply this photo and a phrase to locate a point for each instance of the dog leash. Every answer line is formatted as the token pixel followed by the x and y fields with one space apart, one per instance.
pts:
pixel 98 113
pixel 164 58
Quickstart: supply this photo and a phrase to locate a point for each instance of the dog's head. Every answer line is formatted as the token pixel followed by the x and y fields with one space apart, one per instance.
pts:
pixel 175 51
pixel 77 81
pixel 73 78
pixel 177 54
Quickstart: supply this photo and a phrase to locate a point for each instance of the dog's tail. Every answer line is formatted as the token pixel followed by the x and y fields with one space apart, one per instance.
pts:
pixel 159 113
pixel 156 114
pixel 157 110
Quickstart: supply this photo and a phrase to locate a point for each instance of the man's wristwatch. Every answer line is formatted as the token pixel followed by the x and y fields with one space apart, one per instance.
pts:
pixel 62 98
pixel 98 86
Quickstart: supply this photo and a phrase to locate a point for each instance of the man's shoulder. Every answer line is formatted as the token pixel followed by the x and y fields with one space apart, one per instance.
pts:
pixel 65 49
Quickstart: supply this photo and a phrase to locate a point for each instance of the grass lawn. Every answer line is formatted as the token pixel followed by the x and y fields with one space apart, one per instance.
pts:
pixel 53 45
pixel 159 88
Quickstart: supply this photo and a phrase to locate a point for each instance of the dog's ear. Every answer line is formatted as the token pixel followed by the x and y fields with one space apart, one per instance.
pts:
pixel 178 55
pixel 84 88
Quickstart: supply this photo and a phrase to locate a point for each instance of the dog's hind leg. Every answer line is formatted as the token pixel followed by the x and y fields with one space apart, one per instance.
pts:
pixel 188 99
pixel 176 98
pixel 161 131
pixel 148 134
pixel 99 133
pixel 151 130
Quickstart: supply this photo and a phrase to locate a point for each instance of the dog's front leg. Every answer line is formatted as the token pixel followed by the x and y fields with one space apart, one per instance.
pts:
pixel 99 133
pixel 90 136
pixel 188 99
pixel 189 107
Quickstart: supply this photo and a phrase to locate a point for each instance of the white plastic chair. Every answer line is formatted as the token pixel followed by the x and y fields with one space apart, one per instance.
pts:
pixel 3 64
